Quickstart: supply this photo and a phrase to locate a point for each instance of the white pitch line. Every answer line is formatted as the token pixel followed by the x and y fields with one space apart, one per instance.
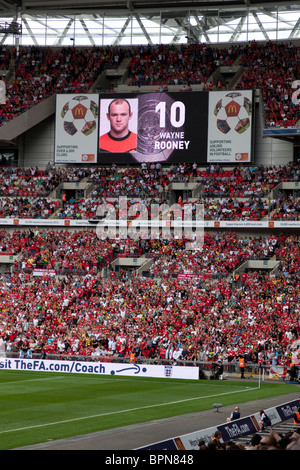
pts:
pixel 124 411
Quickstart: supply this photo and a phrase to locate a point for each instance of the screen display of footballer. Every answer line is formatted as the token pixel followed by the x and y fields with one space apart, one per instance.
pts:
pixel 170 127
pixel 153 127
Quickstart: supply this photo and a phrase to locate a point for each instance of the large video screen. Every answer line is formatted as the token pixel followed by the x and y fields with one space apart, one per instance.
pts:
pixel 167 127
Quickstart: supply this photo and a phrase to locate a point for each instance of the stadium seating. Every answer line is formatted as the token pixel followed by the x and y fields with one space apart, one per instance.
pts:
pixel 188 299
pixel 40 72
pixel 235 194
pixel 272 69
pixel 191 300
pixel 169 65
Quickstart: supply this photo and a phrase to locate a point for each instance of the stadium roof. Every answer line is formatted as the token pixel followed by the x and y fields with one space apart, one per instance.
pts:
pixel 73 6
pixel 130 22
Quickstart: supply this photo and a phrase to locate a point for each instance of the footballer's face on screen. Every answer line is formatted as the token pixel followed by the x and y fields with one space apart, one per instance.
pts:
pixel 119 115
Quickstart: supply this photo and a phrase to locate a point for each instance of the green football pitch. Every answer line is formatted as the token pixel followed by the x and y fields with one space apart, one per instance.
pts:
pixel 39 407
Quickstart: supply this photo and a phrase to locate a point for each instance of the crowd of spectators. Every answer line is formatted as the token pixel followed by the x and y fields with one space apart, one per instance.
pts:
pixel 272 440
pixel 289 255
pixel 188 305
pixel 28 208
pixel 241 193
pixel 214 209
pixel 219 255
pixel 165 316
pixel 272 68
pixel 178 65
pixel 76 252
pixel 139 181
pixel 234 209
pixel 288 209
pixel 200 320
pixel 29 182
pixel 244 181
pixel 39 72
pixel 35 182
pixel 54 249
pixel 6 54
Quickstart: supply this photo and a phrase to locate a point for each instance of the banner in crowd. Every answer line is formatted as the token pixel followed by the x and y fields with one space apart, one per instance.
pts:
pixel 278 371
pixel 44 272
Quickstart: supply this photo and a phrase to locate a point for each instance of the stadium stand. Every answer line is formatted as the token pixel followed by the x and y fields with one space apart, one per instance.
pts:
pixel 273 69
pixel 39 72
pixel 66 292
pixel 169 65
pixel 80 256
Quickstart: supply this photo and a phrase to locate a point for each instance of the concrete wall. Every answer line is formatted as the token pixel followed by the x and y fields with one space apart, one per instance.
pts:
pixel 271 151
pixel 37 144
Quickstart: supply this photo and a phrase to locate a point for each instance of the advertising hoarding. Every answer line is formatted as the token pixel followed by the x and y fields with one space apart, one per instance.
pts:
pixel 76 128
